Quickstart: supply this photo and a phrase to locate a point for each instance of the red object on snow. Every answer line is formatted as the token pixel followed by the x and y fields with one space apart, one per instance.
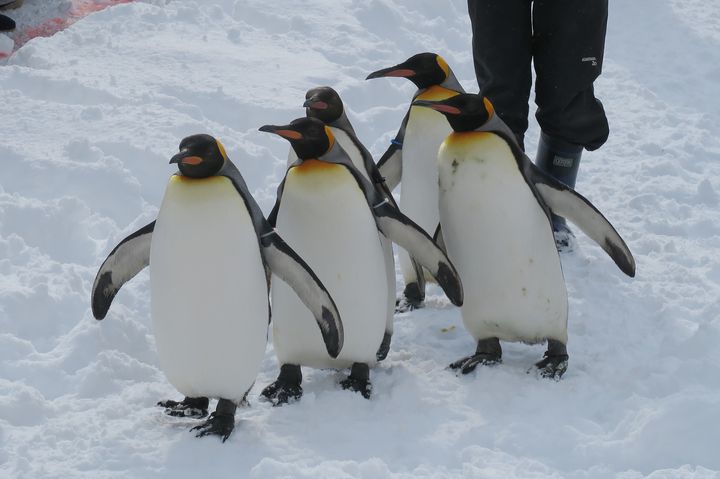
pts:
pixel 79 9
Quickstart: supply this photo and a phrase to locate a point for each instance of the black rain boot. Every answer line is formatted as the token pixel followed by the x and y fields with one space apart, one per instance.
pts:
pixel 561 160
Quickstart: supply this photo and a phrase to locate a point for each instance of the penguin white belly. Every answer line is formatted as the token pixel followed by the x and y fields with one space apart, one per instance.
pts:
pixel 500 240
pixel 208 289
pixel 357 161
pixel 425 131
pixel 324 216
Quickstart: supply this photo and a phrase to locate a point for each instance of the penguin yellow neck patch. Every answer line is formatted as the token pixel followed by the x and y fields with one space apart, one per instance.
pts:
pixel 314 166
pixel 436 93
pixel 461 139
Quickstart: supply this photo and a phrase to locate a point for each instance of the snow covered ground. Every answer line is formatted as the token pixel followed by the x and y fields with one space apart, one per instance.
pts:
pixel 90 117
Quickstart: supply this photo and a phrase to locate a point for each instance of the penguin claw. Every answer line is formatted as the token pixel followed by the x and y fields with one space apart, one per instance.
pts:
pixel 189 407
pixel 279 393
pixel 362 386
pixel 403 305
pixel 218 425
pixel 468 364
pixel 553 366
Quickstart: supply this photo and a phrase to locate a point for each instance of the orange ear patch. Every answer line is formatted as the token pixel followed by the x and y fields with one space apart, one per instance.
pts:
pixel 443 65
pixel 222 149
pixel 489 107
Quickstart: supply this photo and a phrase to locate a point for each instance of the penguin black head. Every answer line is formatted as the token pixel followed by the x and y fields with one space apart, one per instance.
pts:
pixel 309 137
pixel 464 112
pixel 200 156
pixel 423 69
pixel 323 103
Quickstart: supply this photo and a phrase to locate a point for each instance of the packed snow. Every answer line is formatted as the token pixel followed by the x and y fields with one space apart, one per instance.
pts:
pixel 92 114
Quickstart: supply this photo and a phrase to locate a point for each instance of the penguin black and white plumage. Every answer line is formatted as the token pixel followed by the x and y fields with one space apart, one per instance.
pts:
pixel 412 155
pixel 211 253
pixel 495 207
pixel 325 104
pixel 333 216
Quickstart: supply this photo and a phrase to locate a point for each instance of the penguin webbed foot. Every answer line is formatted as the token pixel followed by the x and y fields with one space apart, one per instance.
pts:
pixel 468 364
pixel 286 387
pixel 358 380
pixel 279 393
pixel 402 305
pixel 218 425
pixel 384 348
pixel 221 422
pixel 553 366
pixel 488 353
pixel 413 298
pixel 188 407
pixel 555 360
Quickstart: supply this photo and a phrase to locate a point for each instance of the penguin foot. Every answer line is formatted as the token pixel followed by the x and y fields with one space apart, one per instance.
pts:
pixel 384 348
pixel 279 393
pixel 403 305
pixel 188 407
pixel 412 298
pixel 564 237
pixel 286 387
pixel 218 425
pixel 553 366
pixel 358 380
pixel 468 364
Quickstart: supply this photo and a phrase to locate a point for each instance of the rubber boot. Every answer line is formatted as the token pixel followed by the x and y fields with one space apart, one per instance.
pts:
pixel 561 160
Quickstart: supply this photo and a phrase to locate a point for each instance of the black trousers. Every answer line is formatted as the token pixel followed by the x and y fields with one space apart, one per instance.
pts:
pixel 565 39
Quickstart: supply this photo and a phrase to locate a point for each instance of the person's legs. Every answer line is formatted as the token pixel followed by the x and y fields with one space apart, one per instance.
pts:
pixel 502 55
pixel 568 47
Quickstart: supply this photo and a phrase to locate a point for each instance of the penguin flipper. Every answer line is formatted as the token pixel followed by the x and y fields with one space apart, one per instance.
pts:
pixel 390 164
pixel 285 263
pixel 409 236
pixel 126 260
pixel 564 201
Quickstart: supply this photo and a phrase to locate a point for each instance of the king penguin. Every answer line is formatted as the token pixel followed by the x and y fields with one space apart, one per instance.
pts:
pixel 412 156
pixel 335 218
pixel 212 253
pixel 325 104
pixel 495 207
